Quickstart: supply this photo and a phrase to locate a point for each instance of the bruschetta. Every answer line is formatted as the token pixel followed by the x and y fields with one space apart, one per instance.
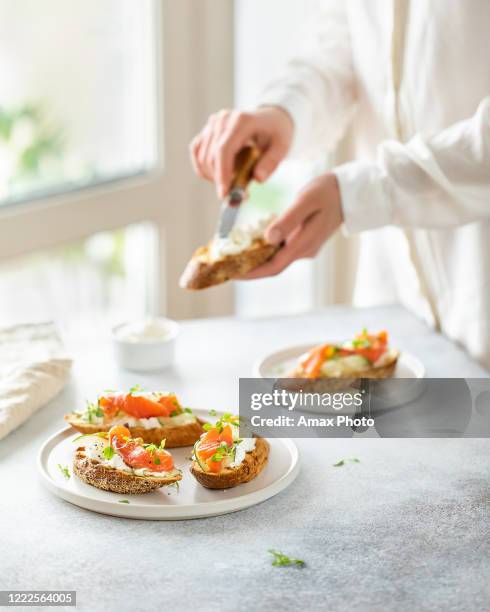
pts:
pixel 222 460
pixel 151 416
pixel 226 258
pixel 366 356
pixel 114 461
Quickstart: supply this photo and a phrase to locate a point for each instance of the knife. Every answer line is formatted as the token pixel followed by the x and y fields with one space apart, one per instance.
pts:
pixel 244 165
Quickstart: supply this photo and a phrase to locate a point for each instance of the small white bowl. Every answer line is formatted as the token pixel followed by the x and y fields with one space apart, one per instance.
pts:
pixel 141 351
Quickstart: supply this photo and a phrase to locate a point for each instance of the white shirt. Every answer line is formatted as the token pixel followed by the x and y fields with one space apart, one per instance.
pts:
pixel 412 81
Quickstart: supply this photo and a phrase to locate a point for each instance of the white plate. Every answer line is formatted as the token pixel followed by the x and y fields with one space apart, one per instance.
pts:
pixel 191 500
pixel 278 363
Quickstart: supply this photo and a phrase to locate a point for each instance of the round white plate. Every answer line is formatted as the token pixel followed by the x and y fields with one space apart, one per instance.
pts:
pixel 191 500
pixel 277 364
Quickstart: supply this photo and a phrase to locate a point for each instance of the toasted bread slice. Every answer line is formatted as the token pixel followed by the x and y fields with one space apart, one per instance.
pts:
pixel 253 463
pixel 326 384
pixel 175 436
pixel 101 476
pixel 385 371
pixel 202 271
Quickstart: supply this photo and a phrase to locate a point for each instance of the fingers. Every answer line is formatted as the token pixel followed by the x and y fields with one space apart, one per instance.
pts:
pixel 219 126
pixel 194 149
pixel 304 241
pixel 240 130
pixel 269 161
pixel 298 213
pixel 312 219
pixel 274 266
pixel 203 146
pixel 214 149
pixel 203 152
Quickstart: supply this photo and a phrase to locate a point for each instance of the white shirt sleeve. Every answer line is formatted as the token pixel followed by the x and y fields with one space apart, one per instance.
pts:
pixel 318 86
pixel 440 181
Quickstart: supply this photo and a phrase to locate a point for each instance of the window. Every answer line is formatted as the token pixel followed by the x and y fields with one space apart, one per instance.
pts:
pixel 77 92
pixel 88 285
pixel 98 102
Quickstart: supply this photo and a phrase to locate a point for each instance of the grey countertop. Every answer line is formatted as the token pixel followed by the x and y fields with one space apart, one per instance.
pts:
pixel 405 529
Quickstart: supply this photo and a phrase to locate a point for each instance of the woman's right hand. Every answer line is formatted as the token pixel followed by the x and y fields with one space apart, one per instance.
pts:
pixel 214 149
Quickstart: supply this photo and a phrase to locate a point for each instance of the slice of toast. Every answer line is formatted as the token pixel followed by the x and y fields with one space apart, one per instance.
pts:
pixel 101 476
pixel 384 371
pixel 253 463
pixel 175 436
pixel 326 384
pixel 202 271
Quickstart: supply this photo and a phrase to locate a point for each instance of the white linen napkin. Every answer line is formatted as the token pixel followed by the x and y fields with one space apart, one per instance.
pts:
pixel 33 369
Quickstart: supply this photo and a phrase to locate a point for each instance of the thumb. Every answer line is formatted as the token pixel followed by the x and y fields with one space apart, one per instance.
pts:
pixel 300 211
pixel 269 161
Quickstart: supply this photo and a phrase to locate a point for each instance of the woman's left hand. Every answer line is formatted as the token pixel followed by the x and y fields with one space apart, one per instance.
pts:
pixel 314 216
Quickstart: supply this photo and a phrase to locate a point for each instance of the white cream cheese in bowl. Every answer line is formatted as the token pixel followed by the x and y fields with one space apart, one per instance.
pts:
pixel 145 346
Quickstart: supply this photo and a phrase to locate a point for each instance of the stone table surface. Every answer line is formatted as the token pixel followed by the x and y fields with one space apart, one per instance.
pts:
pixel 407 528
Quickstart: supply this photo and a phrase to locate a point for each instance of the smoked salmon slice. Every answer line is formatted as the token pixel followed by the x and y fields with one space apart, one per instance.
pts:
pixel 136 455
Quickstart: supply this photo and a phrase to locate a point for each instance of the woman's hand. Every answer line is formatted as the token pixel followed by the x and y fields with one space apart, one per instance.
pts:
pixel 214 149
pixel 304 227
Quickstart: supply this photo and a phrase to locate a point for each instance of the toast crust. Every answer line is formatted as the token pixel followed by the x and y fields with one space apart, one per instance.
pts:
pixel 175 436
pixel 382 372
pixel 201 272
pixel 253 463
pixel 328 384
pixel 94 473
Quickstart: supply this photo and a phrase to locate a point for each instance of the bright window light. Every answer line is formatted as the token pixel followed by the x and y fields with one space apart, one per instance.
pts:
pixel 77 94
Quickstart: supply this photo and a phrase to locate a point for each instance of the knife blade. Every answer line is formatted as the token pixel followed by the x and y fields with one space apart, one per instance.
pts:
pixel 244 165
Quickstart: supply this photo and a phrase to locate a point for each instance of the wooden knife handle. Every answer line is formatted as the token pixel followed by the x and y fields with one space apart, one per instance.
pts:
pixel 244 166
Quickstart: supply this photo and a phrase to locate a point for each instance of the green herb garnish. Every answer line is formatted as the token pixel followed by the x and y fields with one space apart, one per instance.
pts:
pixel 100 434
pixel 108 452
pixel 123 501
pixel 212 412
pixel 347 460
pixel 282 560
pixel 64 470
pixel 226 419
pixel 93 410
pixel 220 454
pixel 135 389
pixel 233 450
pixel 362 341
pixel 188 410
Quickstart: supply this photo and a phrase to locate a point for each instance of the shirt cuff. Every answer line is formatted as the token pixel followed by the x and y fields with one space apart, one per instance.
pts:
pixel 298 108
pixel 363 191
